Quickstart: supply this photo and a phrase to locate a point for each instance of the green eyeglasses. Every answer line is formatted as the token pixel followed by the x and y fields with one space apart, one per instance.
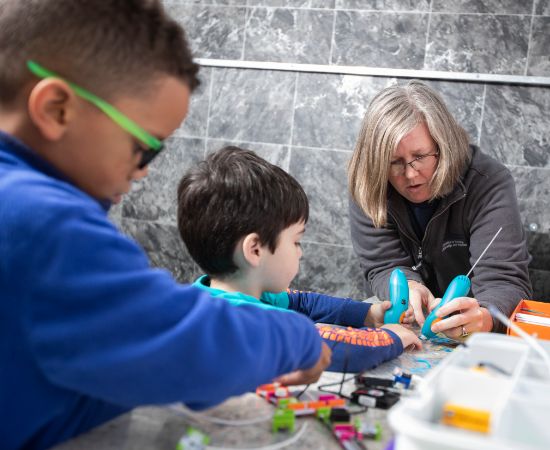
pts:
pixel 153 145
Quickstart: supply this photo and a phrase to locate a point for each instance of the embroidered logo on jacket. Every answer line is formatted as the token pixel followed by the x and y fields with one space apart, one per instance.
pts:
pixel 453 244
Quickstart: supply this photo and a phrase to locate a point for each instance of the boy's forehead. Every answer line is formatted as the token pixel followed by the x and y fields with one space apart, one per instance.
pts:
pixel 297 228
pixel 162 108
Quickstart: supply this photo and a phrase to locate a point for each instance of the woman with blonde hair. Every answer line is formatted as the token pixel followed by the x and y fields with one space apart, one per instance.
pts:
pixel 424 200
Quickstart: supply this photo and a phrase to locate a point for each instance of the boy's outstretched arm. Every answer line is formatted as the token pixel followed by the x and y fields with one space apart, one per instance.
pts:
pixel 101 323
pixel 326 309
pixel 359 349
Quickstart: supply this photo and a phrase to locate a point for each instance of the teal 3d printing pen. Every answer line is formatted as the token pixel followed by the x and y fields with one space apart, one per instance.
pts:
pixel 458 287
pixel 399 297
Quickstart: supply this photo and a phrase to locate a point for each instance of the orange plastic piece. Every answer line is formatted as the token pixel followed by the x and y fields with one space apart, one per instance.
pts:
pixel 337 402
pixel 316 405
pixel 296 406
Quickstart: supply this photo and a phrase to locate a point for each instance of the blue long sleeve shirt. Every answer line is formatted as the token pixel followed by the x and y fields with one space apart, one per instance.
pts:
pixel 355 348
pixel 88 330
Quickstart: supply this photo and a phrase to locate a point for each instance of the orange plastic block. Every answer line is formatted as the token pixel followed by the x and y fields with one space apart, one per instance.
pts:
pixel 337 402
pixel 296 406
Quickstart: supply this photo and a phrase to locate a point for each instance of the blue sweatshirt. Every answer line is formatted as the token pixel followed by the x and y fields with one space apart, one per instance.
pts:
pixel 354 348
pixel 88 330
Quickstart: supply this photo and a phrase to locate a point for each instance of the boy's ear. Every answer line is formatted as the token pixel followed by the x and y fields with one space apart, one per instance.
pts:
pixel 252 249
pixel 51 106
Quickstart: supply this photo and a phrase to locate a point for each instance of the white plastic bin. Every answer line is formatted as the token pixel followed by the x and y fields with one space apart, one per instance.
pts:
pixel 517 395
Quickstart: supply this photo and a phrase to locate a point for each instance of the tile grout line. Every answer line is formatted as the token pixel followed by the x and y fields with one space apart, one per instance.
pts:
pixel 291 137
pixel 210 90
pixel 386 11
pixel 482 115
pixel 530 38
pixel 332 38
pixel 427 34
pixel 246 19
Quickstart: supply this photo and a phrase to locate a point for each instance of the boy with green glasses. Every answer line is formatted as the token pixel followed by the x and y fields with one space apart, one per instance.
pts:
pixel 88 91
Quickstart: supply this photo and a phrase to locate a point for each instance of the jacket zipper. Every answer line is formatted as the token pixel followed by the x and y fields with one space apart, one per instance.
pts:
pixel 419 254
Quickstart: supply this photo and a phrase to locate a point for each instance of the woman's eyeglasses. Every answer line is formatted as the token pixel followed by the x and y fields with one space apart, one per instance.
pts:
pixel 419 163
pixel 153 146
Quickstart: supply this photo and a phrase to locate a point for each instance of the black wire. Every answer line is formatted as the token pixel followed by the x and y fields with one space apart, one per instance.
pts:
pixel 337 382
pixel 302 391
pixel 359 411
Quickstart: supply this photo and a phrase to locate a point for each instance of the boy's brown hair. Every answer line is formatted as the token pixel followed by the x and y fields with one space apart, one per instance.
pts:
pixel 111 47
pixel 232 193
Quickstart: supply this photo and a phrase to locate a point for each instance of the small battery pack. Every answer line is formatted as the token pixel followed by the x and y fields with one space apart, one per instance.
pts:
pixel 363 380
pixel 375 398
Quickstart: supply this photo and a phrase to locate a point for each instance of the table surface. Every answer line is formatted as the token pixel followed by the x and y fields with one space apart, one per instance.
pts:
pixel 160 428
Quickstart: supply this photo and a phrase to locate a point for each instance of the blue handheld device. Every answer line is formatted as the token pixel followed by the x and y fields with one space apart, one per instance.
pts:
pixel 399 297
pixel 459 287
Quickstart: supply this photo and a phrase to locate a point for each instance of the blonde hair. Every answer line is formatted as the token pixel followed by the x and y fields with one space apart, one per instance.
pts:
pixel 391 115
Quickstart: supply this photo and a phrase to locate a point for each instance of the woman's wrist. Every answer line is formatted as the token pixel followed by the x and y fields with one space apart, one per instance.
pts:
pixel 487 321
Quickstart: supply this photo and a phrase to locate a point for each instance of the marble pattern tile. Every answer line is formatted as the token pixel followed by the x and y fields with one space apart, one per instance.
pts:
pixel 542 7
pixel 275 154
pixel 533 192
pixel 515 125
pixel 329 108
pixel 197 118
pixel 465 102
pixel 212 31
pixel 326 4
pixel 540 279
pixel 154 197
pixel 539 51
pixel 323 175
pixel 288 35
pixel 115 214
pixel 539 248
pixel 483 6
pixel 252 105
pixel 329 269
pixel 384 5
pixel 163 246
pixel 478 43
pixel 395 40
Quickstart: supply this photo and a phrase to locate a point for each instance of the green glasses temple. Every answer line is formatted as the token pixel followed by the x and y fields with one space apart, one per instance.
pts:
pixel 126 123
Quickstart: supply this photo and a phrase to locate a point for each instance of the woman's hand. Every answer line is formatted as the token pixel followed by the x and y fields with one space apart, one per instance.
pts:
pixel 420 298
pixel 470 317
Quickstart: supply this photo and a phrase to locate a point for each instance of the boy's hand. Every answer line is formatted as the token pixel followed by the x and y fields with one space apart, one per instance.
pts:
pixel 420 297
pixel 408 338
pixel 375 316
pixel 310 375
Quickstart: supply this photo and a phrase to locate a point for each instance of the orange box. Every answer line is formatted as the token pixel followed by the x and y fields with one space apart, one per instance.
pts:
pixel 531 307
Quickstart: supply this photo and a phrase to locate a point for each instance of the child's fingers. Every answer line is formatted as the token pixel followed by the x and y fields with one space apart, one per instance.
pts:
pixel 386 304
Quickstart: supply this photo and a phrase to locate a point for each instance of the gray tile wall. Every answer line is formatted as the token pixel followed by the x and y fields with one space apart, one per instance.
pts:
pixel 307 123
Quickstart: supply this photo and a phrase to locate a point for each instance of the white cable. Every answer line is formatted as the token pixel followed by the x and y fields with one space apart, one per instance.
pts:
pixel 183 411
pixel 483 252
pixel 529 339
pixel 276 446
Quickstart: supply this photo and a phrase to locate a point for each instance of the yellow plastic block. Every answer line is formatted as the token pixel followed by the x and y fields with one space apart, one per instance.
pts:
pixel 467 418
